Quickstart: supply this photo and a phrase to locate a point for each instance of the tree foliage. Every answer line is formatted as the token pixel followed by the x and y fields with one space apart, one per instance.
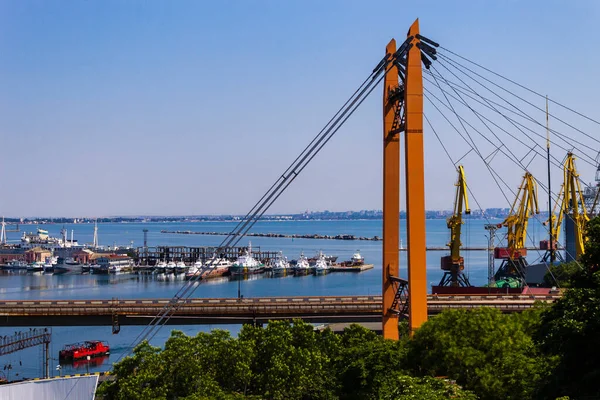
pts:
pixel 542 353
pixel 562 275
pixel 486 351
pixel 570 330
pixel 281 361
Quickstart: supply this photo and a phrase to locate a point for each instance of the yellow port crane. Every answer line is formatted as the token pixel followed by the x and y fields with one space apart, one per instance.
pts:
pixel 453 265
pixel 572 204
pixel 512 271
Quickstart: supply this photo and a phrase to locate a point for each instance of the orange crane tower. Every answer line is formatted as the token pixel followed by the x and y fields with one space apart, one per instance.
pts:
pixel 403 112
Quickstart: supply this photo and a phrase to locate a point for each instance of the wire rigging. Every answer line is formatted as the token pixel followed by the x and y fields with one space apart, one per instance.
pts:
pixel 521 98
pixel 297 166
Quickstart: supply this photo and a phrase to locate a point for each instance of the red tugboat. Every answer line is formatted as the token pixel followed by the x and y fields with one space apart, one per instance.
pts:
pixel 78 351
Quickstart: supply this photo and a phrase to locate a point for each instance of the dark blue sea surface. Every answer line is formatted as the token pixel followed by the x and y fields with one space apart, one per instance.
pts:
pixel 28 363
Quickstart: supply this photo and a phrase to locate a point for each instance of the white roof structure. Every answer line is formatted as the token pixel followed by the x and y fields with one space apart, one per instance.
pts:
pixel 71 388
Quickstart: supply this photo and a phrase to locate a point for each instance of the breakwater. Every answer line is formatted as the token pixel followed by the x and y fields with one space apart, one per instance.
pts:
pixel 281 235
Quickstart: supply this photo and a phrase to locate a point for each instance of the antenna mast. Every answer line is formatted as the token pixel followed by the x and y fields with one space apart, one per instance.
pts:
pixel 551 230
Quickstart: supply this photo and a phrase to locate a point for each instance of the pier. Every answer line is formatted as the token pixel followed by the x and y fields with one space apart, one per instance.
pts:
pixel 206 311
pixel 151 255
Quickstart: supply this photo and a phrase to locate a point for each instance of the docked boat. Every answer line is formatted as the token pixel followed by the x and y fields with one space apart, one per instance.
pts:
pixel 321 266
pixel 86 268
pixel 302 266
pixel 216 267
pixel 329 259
pixel 71 261
pixel 194 270
pixel 170 268
pixel 357 259
pixel 99 269
pixel 246 264
pixel 160 267
pixel 37 266
pixel 78 351
pixel 114 269
pixel 50 264
pixel 280 264
pixel 16 264
pixel 180 267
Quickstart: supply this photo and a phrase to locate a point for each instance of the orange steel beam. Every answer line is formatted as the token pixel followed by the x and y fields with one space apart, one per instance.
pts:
pixel 391 199
pixel 415 185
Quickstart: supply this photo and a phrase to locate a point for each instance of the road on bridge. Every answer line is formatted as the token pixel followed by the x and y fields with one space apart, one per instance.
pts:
pixel 235 311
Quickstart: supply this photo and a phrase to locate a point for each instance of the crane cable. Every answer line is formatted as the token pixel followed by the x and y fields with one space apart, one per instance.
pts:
pixel 508 102
pixel 297 166
pixel 492 171
pixel 524 87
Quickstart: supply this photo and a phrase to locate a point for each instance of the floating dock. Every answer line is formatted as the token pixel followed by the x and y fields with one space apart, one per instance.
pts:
pixel 356 268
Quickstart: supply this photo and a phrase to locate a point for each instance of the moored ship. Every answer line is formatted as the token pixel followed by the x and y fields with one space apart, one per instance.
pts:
pixel 78 351
pixel 216 267
pixel 280 265
pixel 302 266
pixel 246 264
pixel 321 266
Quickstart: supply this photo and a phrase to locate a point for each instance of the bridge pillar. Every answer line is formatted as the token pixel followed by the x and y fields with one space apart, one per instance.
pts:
pixel 391 196
pixel 415 185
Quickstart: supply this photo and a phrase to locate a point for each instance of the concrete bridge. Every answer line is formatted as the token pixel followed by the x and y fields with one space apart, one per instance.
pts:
pixel 318 309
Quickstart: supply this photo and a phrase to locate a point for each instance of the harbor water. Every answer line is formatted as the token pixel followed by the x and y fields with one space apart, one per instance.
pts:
pixel 15 286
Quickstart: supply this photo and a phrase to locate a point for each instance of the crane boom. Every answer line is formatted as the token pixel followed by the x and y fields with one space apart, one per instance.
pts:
pixel 454 264
pixel 512 272
pixel 455 221
pixel 525 204
pixel 573 205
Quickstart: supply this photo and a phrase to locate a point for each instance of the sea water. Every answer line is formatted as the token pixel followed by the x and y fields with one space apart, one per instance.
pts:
pixel 28 363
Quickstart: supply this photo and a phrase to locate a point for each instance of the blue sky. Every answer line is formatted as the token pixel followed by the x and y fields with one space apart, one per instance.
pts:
pixel 195 107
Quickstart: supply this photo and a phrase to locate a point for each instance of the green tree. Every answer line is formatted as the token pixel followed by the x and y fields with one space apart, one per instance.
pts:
pixel 404 387
pixel 487 352
pixel 562 275
pixel 366 362
pixel 570 330
pixel 288 362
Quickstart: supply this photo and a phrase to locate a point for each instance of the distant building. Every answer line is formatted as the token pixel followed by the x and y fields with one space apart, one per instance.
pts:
pixel 37 254
pixel 9 254
pixel 114 260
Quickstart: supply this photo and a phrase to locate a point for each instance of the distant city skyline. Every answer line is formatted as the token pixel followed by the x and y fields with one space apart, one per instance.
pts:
pixel 479 213
pixel 195 108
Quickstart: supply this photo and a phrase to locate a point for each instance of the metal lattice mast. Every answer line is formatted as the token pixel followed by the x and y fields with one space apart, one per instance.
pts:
pixel 23 340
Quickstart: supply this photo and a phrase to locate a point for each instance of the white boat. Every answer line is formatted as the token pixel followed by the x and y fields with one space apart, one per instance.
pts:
pixel 217 267
pixel 321 266
pixel 113 269
pixel 71 261
pixel 357 259
pixel 246 264
pixel 160 267
pixel 194 270
pixel 16 264
pixel 302 265
pixel 180 267
pixel 50 264
pixel 35 266
pixel 170 268
pixel 280 264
